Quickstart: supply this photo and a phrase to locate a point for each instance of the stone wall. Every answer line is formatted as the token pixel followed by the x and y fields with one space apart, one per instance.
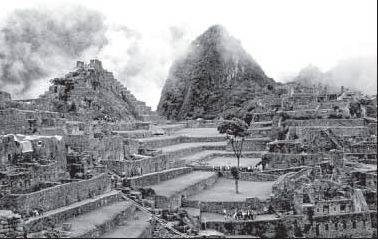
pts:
pixel 262 229
pixel 27 121
pixel 347 225
pixel 57 196
pixel 251 176
pixel 38 158
pixel 49 221
pixel 253 144
pixel 201 124
pixel 157 177
pixel 333 207
pixel 356 131
pixel 289 160
pixel 11 225
pixel 326 122
pixel 220 206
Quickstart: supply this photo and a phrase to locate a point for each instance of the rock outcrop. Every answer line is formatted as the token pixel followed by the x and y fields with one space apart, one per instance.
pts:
pixel 215 74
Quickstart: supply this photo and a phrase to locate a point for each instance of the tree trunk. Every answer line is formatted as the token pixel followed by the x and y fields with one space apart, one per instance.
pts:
pixel 237 179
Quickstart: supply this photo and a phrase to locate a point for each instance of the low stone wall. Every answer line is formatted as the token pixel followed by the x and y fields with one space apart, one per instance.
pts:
pixel 288 160
pixel 174 201
pixel 58 196
pixel 11 225
pixel 220 206
pixel 326 122
pixel 201 124
pixel 251 176
pixel 135 133
pixel 282 171
pixel 159 142
pixel 253 144
pixel 157 177
pixel 172 140
pixel 128 126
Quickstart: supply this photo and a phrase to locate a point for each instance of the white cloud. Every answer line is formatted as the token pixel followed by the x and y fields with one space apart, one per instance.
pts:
pixel 282 36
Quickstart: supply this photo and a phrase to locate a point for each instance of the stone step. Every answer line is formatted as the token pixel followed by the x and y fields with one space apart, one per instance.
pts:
pixel 138 226
pixel 100 221
pixel 169 193
pixel 54 217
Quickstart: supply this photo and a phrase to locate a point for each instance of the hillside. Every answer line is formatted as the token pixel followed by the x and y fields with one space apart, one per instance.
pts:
pixel 215 74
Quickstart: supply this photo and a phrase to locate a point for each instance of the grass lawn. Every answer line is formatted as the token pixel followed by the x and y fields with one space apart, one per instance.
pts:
pixel 224 190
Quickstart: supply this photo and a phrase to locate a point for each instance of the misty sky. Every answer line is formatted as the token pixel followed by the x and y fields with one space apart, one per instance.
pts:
pixel 143 37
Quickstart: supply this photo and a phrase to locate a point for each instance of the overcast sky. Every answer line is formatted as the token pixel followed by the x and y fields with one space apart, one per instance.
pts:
pixel 282 36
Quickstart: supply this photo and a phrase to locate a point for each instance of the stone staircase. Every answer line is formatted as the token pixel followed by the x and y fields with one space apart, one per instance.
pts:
pixel 104 216
pixel 169 194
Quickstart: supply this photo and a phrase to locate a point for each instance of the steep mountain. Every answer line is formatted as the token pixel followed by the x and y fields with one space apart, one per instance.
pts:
pixel 215 74
pixel 92 93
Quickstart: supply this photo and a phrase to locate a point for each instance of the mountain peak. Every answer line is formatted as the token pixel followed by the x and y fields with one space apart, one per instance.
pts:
pixel 216 73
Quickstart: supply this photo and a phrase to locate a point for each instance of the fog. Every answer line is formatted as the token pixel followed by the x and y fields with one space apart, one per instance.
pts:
pixel 139 40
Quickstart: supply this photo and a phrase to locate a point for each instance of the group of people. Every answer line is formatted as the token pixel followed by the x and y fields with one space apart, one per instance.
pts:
pixel 239 214
pixel 241 169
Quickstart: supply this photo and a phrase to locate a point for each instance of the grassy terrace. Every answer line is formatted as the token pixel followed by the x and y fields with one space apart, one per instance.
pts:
pixel 168 188
pixel 231 161
pixel 199 132
pixel 224 190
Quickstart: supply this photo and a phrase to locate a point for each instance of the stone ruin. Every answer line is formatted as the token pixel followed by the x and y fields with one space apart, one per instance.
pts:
pixel 88 160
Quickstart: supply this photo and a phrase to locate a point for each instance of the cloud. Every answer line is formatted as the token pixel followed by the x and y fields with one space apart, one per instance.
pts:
pixel 356 73
pixel 141 61
pixel 38 43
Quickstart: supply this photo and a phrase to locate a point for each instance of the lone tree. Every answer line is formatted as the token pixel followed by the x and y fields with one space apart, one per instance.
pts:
pixel 236 131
